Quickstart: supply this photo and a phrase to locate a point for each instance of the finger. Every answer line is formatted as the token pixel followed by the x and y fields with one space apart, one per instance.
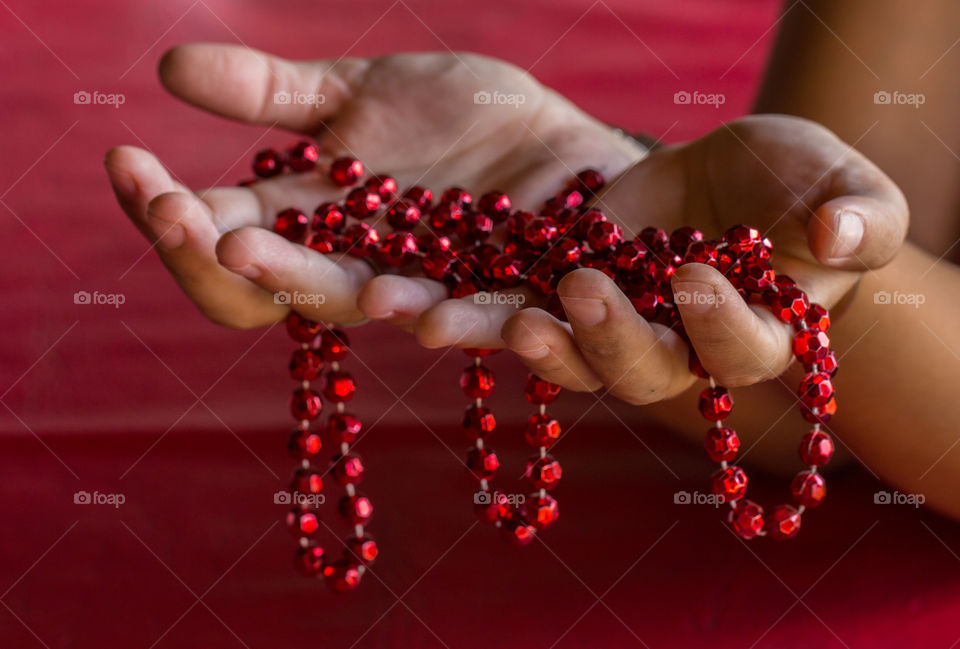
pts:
pixel 546 346
pixel 182 228
pixel 737 343
pixel 137 177
pixel 638 362
pixel 320 287
pixel 860 232
pixel 399 300
pixel 468 322
pixel 245 84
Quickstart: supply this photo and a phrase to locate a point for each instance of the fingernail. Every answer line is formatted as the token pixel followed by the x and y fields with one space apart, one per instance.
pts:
pixel 249 271
pixel 696 297
pixel 847 235
pixel 587 311
pixel 532 354
pixel 168 235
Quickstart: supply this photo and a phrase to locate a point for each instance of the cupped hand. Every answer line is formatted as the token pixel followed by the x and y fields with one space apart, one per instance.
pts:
pixel 417 117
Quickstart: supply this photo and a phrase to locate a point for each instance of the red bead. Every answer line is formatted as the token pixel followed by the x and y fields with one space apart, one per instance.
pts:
pixel 784 522
pixel 815 390
pixel 789 304
pixel 303 156
pixel 540 392
pixel 828 363
pixel 445 217
pixel 291 224
pixel 437 264
pixel 540 232
pixel 542 430
pixel 399 249
pixel 570 199
pixel 604 236
pixel 681 239
pixel 817 317
pixel 362 203
pixel 722 444
pixel 741 239
pixel 301 329
pixel 309 560
pixel 506 271
pixel 362 550
pixel 328 216
pixel 491 507
pixel 824 413
pixel 646 302
pixel 346 171
pixel 808 489
pixel 590 181
pixel 544 472
pixel 323 241
pixel 482 462
pixel 517 532
pixel 420 196
pixel 306 482
pixel 267 163
pixel 756 275
pixel 564 255
pixel 477 381
pixel 341 576
pixel 517 223
pixel 360 240
pixel 629 257
pixel 715 403
pixel 429 241
pixel 664 265
pixel 305 404
pixel 334 344
pixel 347 469
pixel 585 222
pixel 654 239
pixel 540 512
pixel 464 289
pixel 302 523
pixel 356 510
pixel 340 386
pixel 343 428
pixel 304 444
pixel 403 215
pixel 746 519
pixel 474 227
pixel 478 422
pixel 457 196
pixel 384 186
pixel 496 205
pixel 305 364
pixel 816 448
pixel 542 280
pixel 730 483
pixel 701 252
pixel 810 346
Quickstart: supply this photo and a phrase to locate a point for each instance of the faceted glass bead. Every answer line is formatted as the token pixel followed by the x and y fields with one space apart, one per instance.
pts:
pixel 464 289
pixel 302 523
pixel 267 163
pixel 756 275
pixel 341 576
pixel 301 329
pixel 654 239
pixel 323 241
pixel 722 444
pixel 347 469
pixel 474 227
pixel 477 381
pixel 505 271
pixel 334 344
pixel 542 430
pixel 816 448
pixel 665 264
pixel 343 428
pixel 824 413
pixel 496 205
pixel 808 489
pixel 539 512
pixel 385 186
pixel 303 156
pixel 346 171
pixel 362 550
pixel 329 216
pixel 356 510
pixel 746 519
pixel 810 346
pixel 544 472
pixel 828 363
pixel 309 560
pixel 681 239
pixel 540 392
pixel 482 462
pixel 715 403
pixel 788 304
pixel 540 232
pixel 565 254
pixel 817 317
pixel 399 249
pixel 305 364
pixel 491 507
pixel 730 483
pixel 784 522
pixel 429 241
pixel 478 422
pixel 340 386
pixel 421 196
pixel 646 301
pixel 304 444
pixel 543 280
pixel 815 389
pixel 362 203
pixel 403 215
pixel 292 224
pixel 741 240
pixel 444 217
pixel 604 236
pixel 437 264
pixel 305 404
pixel 597 262
pixel 360 240
pixel 570 199
pixel 307 481
pixel 590 181
pixel 629 257
pixel 701 252
pixel 515 531
pixel 457 196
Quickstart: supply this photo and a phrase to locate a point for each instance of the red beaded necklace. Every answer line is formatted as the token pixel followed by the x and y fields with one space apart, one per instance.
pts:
pixel 566 234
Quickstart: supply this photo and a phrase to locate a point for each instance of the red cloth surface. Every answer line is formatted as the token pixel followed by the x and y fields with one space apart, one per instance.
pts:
pixel 187 420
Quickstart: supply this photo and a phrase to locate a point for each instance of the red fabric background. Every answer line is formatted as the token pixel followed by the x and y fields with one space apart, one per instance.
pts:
pixel 79 381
